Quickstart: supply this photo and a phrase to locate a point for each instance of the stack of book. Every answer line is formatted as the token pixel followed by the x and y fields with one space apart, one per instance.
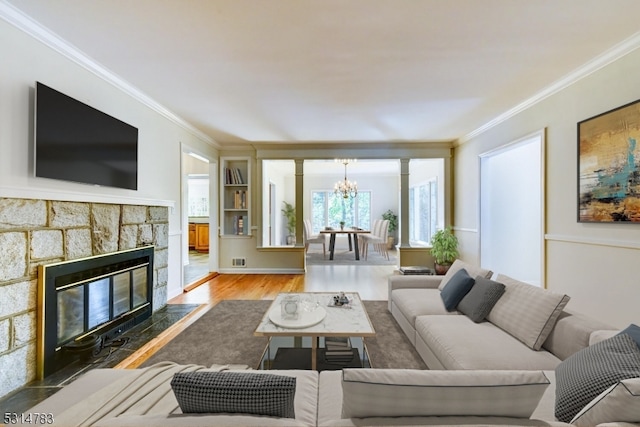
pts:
pixel 415 270
pixel 233 176
pixel 239 222
pixel 240 199
pixel 338 349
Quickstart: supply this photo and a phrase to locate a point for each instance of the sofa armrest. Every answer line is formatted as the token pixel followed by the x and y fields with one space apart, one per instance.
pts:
pixel 412 281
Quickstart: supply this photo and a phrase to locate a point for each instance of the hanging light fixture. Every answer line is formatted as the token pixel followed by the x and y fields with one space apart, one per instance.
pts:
pixel 346 188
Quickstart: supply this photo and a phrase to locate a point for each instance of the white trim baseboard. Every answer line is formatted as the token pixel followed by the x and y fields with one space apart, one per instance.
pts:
pixel 244 270
pixel 466 230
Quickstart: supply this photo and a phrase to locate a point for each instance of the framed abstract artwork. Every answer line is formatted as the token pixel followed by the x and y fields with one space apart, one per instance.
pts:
pixel 609 166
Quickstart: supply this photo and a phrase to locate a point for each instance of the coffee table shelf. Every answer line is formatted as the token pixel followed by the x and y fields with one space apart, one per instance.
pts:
pixel 300 358
pixel 295 353
pixel 352 322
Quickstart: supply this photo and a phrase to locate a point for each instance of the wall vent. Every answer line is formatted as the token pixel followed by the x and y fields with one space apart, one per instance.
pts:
pixel 238 262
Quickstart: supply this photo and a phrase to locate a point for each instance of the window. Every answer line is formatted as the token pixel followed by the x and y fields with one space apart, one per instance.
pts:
pixel 423 211
pixel 426 199
pixel 328 209
pixel 198 195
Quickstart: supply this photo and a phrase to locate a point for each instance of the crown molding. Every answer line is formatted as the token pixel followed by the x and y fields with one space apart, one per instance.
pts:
pixel 28 25
pixel 616 52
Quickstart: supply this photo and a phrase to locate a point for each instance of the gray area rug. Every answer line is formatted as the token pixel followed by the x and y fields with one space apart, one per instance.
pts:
pixel 390 348
pixel 224 335
pixel 346 257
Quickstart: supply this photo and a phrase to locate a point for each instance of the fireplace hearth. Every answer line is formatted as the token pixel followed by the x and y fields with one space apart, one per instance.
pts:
pixel 84 303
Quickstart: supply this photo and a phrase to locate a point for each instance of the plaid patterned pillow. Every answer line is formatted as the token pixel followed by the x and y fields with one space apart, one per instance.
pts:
pixel 527 312
pixel 585 374
pixel 235 392
pixel 477 304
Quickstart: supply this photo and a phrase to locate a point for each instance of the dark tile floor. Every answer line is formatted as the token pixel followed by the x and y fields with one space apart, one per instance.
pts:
pixel 124 346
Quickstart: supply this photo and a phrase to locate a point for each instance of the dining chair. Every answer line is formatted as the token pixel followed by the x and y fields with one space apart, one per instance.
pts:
pixel 366 239
pixel 310 238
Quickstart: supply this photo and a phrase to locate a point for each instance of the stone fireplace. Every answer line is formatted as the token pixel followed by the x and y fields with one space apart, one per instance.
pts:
pixel 86 302
pixel 42 232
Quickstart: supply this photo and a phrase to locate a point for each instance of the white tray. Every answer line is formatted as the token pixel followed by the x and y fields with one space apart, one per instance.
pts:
pixel 304 320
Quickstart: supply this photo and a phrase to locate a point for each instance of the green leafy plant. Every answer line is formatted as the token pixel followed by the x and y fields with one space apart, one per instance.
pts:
pixel 289 213
pixel 444 246
pixel 393 220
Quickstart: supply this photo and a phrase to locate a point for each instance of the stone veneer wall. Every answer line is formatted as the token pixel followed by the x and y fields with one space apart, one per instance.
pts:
pixel 37 232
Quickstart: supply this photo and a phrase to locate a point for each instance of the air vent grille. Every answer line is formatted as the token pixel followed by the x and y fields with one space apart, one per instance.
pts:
pixel 239 262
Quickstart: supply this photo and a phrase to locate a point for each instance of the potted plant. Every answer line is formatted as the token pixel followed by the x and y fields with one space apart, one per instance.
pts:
pixel 444 249
pixel 393 226
pixel 342 223
pixel 289 213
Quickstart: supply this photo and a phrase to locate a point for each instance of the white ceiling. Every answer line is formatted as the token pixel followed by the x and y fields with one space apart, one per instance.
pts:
pixel 294 71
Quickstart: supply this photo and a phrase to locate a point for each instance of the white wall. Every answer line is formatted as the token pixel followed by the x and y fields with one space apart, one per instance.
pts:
pixel 26 60
pixel 593 263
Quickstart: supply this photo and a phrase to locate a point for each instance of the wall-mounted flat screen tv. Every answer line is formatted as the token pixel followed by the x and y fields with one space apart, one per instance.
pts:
pixel 76 142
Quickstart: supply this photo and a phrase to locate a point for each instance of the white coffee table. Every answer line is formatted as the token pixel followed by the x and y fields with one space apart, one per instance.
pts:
pixel 338 321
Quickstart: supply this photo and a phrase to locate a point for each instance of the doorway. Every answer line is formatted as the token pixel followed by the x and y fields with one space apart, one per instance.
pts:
pixel 512 209
pixel 199 217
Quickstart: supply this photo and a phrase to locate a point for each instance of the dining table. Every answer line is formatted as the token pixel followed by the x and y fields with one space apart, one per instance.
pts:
pixel 352 234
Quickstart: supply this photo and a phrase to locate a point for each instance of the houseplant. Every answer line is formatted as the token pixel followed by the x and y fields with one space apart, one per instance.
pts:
pixel 444 249
pixel 289 213
pixel 393 226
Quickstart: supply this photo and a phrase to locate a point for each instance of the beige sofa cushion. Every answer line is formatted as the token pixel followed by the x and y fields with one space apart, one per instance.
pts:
pixel 419 302
pixel 527 312
pixel 573 332
pixel 97 380
pixel 330 410
pixel 472 270
pixel 406 393
pixel 459 343
pixel 620 402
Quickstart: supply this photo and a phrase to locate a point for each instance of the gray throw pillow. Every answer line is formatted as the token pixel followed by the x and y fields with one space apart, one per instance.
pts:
pixel 584 375
pixel 456 289
pixel 477 304
pixel 235 392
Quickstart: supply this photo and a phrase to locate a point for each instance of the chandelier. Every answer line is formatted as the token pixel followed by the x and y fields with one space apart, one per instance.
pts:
pixel 346 188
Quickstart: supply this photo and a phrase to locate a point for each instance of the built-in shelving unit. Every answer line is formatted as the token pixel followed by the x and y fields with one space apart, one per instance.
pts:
pixel 235 191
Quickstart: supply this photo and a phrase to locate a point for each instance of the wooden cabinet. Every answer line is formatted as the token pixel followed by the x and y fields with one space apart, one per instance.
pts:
pixel 192 236
pixel 235 192
pixel 202 237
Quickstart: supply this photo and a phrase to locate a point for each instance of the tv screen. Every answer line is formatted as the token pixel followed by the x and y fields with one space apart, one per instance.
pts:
pixel 76 142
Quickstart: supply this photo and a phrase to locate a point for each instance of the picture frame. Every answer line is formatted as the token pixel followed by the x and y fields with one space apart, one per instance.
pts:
pixel 609 166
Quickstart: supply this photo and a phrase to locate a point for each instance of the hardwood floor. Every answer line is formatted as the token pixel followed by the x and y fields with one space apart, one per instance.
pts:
pixel 369 281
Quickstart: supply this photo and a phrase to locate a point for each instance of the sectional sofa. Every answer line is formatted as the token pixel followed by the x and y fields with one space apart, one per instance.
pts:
pixel 352 397
pixel 526 328
pixel 505 354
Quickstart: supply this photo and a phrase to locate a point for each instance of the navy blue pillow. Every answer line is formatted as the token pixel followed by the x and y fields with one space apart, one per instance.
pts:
pixel 457 287
pixel 634 332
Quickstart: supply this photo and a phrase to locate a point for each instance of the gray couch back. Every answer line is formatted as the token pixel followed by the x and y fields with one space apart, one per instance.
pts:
pixel 571 334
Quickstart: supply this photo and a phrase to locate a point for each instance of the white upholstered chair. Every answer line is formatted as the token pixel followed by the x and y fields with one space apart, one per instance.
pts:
pixel 381 246
pixel 366 239
pixel 309 238
pixel 378 238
